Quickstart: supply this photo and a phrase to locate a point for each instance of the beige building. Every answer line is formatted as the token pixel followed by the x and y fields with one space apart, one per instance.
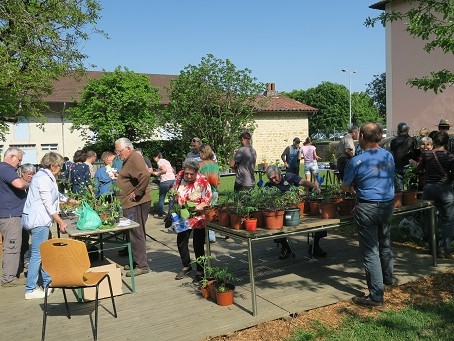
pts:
pixel 406 58
pixel 278 121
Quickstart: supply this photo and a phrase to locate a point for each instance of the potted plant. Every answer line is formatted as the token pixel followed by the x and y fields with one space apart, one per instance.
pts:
pixel 291 212
pixel 225 201
pixel 274 206
pixel 410 181
pixel 330 199
pixel 207 270
pixel 224 287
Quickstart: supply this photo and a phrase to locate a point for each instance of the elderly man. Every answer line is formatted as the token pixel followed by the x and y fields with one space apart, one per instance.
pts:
pixel 346 150
pixel 370 176
pixel 284 182
pixel 443 125
pixel 12 196
pixel 244 163
pixel 134 195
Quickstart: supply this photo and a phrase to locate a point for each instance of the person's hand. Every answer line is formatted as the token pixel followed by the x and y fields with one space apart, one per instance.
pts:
pixel 132 196
pixel 62 226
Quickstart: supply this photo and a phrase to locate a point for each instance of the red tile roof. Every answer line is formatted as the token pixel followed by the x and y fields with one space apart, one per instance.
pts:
pixel 68 89
pixel 281 103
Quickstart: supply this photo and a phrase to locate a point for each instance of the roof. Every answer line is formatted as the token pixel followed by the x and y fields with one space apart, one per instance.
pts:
pixel 69 89
pixel 380 5
pixel 281 103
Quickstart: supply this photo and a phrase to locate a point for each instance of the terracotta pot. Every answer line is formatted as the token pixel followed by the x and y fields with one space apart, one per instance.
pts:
pixel 301 207
pixel 205 292
pixel 274 220
pixel 398 199
pixel 314 207
pixel 346 207
pixel 307 207
pixel 225 298
pixel 259 216
pixel 328 210
pixel 409 198
pixel 236 221
pixel 250 224
pixel 337 200
pixel 211 214
pixel 223 217
pixel 212 289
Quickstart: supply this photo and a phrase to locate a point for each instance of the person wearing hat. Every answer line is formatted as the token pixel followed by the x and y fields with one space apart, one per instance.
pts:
pixel 444 126
pixel 404 148
pixel 291 157
pixel 243 162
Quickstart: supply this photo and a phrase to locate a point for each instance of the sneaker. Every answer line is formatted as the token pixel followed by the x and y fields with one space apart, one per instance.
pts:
pixel 138 272
pixel 36 293
pixel 126 267
pixel 366 301
pixel 183 273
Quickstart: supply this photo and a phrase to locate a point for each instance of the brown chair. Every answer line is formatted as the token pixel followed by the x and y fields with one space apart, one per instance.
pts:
pixel 66 261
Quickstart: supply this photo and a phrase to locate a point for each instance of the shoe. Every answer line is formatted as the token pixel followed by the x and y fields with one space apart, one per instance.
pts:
pixel 126 267
pixel 14 283
pixel 157 216
pixel 36 293
pixel 212 240
pixel 123 252
pixel 286 251
pixel 366 301
pixel 183 273
pixel 138 272
pixel 391 284
pixel 318 251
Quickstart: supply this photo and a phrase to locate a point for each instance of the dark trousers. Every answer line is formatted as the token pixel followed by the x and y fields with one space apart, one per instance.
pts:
pixel 238 187
pixel 198 241
pixel 139 214
pixel 341 163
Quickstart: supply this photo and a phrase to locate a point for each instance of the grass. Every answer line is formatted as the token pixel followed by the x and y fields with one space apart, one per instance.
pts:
pixel 423 322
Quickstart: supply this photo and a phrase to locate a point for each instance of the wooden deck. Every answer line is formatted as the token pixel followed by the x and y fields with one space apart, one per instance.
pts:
pixel 166 309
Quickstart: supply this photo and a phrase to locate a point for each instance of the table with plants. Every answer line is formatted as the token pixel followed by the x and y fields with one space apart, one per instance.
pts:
pixel 246 204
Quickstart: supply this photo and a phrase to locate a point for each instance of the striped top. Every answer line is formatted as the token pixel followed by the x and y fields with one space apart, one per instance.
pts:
pixel 211 171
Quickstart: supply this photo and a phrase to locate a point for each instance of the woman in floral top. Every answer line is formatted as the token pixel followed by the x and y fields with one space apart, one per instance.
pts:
pixel 79 173
pixel 191 186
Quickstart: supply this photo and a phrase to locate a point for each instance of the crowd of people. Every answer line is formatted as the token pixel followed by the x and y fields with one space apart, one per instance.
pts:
pixel 371 173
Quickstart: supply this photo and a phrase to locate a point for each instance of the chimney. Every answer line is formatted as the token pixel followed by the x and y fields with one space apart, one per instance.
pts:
pixel 270 90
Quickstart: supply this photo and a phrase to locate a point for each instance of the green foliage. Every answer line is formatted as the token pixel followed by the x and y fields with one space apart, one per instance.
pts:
pixel 119 104
pixel 39 43
pixel 332 103
pixel 431 21
pixel 377 91
pixel 215 101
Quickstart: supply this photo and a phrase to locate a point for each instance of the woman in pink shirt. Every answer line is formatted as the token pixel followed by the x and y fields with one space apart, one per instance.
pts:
pixel 310 159
pixel 166 181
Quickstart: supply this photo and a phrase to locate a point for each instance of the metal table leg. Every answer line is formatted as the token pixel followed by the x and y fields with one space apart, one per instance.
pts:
pixel 251 276
pixel 433 238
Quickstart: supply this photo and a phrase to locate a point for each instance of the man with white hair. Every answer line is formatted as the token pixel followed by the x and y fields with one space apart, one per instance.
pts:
pixel 134 194
pixel 13 199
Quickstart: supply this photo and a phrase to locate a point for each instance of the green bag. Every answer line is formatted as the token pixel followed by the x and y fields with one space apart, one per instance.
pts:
pixel 88 218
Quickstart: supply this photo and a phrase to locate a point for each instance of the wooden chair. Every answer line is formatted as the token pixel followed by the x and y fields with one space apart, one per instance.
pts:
pixel 66 261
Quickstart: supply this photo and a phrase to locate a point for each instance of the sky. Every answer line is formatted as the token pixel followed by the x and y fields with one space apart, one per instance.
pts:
pixel 296 44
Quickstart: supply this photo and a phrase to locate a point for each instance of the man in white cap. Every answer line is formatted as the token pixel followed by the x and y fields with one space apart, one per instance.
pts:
pixel 444 126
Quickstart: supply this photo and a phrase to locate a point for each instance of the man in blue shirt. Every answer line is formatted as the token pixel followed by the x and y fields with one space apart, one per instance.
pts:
pixel 284 182
pixel 12 197
pixel 370 176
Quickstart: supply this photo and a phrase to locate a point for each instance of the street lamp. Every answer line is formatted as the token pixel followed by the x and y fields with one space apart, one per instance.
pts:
pixel 349 92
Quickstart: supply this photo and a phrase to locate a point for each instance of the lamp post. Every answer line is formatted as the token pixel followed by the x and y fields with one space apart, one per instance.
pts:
pixel 349 92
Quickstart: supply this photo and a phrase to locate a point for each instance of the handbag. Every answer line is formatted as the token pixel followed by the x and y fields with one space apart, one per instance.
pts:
pixel 88 218
pixel 168 221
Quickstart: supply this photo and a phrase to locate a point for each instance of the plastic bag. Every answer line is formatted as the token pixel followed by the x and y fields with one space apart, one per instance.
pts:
pixel 179 224
pixel 88 218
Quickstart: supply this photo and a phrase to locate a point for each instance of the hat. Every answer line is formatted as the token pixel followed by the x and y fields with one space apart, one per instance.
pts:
pixel 402 126
pixel 444 123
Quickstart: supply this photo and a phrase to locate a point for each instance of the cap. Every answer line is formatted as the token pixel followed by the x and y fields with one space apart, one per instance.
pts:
pixel 402 126
pixel 444 123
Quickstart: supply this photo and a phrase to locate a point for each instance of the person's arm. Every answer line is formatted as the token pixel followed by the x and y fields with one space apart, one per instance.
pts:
pixel 310 185
pixel 161 170
pixel 284 156
pixel 20 183
pixel 235 160
pixel 143 178
pixel 316 157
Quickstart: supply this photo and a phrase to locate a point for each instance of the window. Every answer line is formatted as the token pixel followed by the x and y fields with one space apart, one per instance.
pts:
pixel 49 147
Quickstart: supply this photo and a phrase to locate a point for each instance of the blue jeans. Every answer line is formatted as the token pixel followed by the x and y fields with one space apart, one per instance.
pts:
pixel 373 223
pixel 443 198
pixel 39 235
pixel 164 187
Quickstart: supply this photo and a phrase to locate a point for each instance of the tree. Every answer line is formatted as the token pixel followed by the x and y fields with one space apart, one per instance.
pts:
pixel 332 103
pixel 119 104
pixel 377 91
pixel 39 43
pixel 431 21
pixel 214 101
